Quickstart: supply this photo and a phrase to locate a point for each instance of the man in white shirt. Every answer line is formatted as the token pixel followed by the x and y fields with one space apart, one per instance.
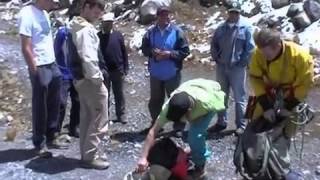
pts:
pixel 37 48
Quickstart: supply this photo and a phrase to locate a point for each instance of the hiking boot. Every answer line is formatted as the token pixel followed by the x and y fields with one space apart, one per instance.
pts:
pixel 217 128
pixel 198 173
pixel 239 131
pixel 56 144
pixel 43 152
pixel 120 120
pixel 99 164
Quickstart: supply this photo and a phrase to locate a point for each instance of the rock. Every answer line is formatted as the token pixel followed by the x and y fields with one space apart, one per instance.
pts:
pixel 301 21
pixel 9 118
pixel 312 8
pixel 318 171
pixel 148 9
pixel 305 172
pixel 294 10
pixel 11 134
pixel 264 5
pixel 279 3
pixel 132 92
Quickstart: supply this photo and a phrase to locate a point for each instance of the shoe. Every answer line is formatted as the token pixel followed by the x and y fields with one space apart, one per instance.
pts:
pixel 239 131
pixel 74 132
pixel 99 164
pixel 120 120
pixel 43 152
pixel 217 128
pixel 198 173
pixel 56 144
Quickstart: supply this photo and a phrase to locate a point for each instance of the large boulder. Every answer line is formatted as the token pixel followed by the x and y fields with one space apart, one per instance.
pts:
pixel 279 3
pixel 294 10
pixel 301 21
pixel 312 8
pixel 148 9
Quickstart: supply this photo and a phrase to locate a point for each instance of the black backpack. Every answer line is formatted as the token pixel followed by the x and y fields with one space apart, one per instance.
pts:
pixel 255 157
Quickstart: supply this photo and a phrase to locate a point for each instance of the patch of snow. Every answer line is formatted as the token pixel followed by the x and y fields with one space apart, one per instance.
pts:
pixel 202 48
pixel 282 12
pixel 247 7
pixel 308 39
pixel 136 40
pixel 213 22
pixel 118 2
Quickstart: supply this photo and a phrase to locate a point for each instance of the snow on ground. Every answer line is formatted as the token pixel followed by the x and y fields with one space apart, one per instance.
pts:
pixel 136 40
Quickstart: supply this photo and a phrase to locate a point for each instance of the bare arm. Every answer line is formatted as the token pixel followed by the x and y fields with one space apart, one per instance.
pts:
pixel 26 47
pixel 153 132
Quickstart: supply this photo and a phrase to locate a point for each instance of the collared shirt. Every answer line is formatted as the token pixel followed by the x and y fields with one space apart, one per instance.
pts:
pixel 233 47
pixel 164 40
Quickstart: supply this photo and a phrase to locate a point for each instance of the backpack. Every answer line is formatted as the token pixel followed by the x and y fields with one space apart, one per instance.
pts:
pixel 255 157
pixel 167 154
pixel 75 62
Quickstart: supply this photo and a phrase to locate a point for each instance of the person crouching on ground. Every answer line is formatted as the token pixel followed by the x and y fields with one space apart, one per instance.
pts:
pixel 195 101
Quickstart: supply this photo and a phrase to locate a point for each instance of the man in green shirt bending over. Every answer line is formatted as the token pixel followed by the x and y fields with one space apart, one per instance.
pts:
pixel 195 101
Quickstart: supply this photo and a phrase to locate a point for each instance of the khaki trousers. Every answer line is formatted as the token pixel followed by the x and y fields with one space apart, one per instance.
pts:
pixel 93 116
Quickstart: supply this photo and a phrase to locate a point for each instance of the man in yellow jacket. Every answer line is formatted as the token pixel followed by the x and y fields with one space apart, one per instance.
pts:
pixel 281 76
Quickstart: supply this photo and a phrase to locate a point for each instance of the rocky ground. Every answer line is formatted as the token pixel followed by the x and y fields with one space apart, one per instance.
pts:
pixel 124 143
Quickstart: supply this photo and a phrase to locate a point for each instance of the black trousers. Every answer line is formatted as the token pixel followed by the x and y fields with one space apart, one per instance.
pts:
pixel 115 81
pixel 46 83
pixel 67 89
pixel 158 91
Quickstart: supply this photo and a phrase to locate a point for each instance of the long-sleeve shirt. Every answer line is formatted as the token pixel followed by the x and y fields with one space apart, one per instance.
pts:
pixel 233 46
pixel 86 40
pixel 114 51
pixel 171 39
pixel 297 78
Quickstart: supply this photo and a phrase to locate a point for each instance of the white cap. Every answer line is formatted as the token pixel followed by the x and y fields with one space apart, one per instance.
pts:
pixel 108 17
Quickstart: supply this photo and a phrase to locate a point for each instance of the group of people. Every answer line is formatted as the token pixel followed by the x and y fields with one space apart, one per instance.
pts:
pixel 86 63
pixel 81 62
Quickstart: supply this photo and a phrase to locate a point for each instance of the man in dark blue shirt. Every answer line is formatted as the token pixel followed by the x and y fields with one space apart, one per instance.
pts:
pixel 166 46
pixel 116 62
pixel 62 58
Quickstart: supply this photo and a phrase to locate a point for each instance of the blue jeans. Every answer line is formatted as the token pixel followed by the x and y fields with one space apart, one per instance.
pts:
pixel 197 139
pixel 234 78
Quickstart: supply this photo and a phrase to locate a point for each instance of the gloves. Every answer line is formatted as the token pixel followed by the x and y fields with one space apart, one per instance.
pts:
pixel 270 115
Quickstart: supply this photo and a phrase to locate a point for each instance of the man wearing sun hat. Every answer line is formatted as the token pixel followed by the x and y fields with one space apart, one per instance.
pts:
pixel 196 102
pixel 231 48
pixel 115 58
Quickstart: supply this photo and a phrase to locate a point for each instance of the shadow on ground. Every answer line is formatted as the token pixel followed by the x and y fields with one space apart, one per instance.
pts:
pixel 53 165
pixel 13 155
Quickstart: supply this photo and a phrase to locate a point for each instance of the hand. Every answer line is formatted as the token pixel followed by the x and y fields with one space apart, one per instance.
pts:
pixel 142 165
pixel 156 51
pixel 165 54
pixel 33 69
pixel 285 113
pixel 270 115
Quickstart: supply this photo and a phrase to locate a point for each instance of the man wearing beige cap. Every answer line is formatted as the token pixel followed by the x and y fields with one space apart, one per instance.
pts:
pixel 115 58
